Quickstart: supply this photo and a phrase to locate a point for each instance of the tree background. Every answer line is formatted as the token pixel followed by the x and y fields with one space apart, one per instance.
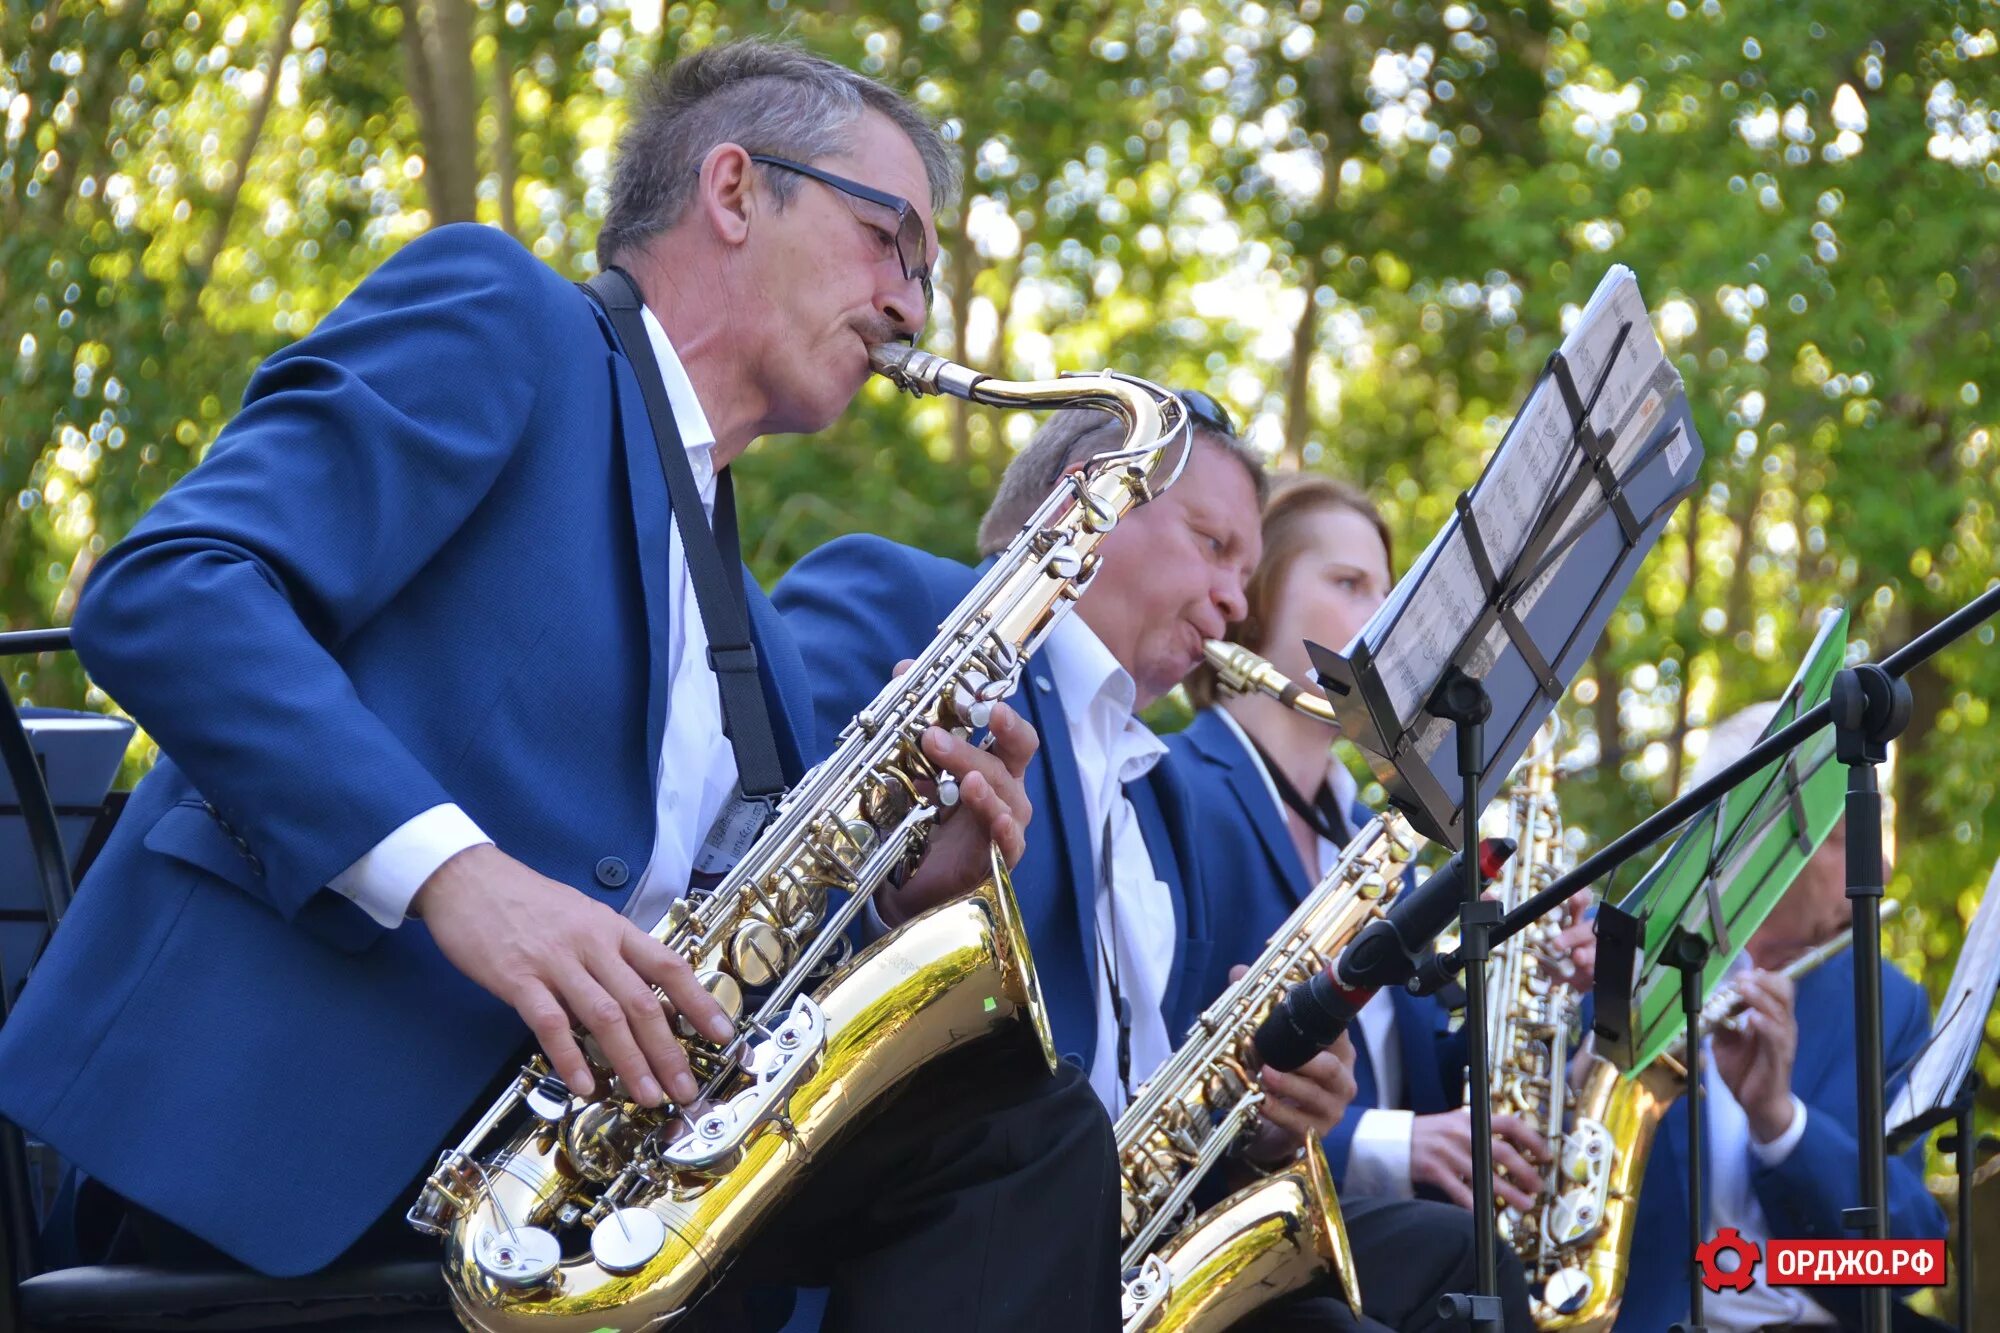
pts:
pixel 1362 226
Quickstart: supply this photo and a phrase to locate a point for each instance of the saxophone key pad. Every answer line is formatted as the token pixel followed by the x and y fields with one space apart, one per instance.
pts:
pixel 522 1257
pixel 627 1240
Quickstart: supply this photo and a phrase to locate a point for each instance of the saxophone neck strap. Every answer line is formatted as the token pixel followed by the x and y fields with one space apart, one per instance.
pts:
pixel 713 553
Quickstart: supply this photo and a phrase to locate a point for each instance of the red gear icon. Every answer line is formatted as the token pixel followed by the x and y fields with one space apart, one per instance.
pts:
pixel 1713 1276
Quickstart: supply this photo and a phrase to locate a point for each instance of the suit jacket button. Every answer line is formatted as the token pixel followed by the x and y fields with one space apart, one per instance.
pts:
pixel 611 873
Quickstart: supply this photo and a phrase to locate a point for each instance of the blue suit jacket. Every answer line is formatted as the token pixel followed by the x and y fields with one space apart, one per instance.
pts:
pixel 1251 872
pixel 425 563
pixel 859 605
pixel 1802 1196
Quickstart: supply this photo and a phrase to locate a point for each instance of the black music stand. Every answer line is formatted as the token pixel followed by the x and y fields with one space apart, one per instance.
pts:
pixel 1506 604
pixel 1943 1083
pixel 78 755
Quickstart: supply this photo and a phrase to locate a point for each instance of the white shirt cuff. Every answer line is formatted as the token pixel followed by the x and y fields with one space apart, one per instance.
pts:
pixel 1378 1156
pixel 1778 1149
pixel 389 874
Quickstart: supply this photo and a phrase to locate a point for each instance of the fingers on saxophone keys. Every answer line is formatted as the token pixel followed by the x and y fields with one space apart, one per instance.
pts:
pixel 662 967
pixel 549 1020
pixel 1015 741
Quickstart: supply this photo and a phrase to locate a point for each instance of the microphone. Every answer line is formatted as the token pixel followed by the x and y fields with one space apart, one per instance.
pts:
pixel 1317 1010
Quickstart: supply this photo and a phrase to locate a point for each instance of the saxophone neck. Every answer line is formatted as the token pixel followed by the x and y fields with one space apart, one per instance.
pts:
pixel 1239 671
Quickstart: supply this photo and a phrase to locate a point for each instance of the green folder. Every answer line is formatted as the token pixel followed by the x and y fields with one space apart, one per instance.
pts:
pixel 1735 860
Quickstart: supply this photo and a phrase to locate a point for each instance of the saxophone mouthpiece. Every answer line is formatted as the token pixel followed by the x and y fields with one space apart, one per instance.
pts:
pixel 917 372
pixel 897 363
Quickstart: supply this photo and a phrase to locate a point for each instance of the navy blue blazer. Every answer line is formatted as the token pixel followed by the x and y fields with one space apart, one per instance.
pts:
pixel 1251 872
pixel 858 606
pixel 426 563
pixel 1802 1196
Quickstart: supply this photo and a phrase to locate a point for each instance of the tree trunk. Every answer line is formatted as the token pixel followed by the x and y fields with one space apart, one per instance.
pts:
pixel 253 131
pixel 964 256
pixel 1604 711
pixel 1736 602
pixel 1690 622
pixel 503 135
pixel 1298 376
pixel 437 46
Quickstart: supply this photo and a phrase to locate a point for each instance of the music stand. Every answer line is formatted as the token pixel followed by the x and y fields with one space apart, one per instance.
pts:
pixel 79 755
pixel 1943 1084
pixel 1516 587
pixel 1481 638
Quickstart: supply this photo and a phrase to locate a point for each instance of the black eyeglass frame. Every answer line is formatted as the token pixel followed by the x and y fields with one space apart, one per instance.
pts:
pixel 1206 411
pixel 906 214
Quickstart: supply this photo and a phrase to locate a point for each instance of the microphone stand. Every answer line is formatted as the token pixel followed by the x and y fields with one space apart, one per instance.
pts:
pixel 1870 709
pixel 1463 701
pixel 1687 953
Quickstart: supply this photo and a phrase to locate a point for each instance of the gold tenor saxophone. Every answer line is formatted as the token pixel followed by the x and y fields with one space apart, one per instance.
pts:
pixel 1284 1232
pixel 1584 1244
pixel 575 1214
pixel 1536 1015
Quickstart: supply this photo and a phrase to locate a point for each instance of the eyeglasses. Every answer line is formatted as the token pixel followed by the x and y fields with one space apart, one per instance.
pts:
pixel 1206 411
pixel 907 234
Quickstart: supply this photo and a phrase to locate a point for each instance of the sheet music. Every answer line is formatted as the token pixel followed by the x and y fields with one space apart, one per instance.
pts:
pixel 1961 1022
pixel 1413 638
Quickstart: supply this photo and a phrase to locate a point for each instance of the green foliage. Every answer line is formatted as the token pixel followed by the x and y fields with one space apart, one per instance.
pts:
pixel 1361 225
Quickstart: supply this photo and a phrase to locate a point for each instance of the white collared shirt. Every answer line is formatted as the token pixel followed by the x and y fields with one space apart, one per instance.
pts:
pixel 1378 1156
pixel 688 794
pixel 1733 1155
pixel 1134 911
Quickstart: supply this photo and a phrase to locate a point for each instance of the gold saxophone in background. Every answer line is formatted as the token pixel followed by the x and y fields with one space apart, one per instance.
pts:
pixel 1284 1232
pixel 583 1214
pixel 1577 1245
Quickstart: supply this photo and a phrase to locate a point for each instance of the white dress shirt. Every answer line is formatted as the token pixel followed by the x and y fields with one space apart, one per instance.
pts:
pixel 1378 1156
pixel 689 793
pixel 1732 1202
pixel 1135 910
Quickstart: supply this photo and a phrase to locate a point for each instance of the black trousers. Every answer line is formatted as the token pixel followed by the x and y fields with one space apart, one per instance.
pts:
pixel 1407 1253
pixel 982 1199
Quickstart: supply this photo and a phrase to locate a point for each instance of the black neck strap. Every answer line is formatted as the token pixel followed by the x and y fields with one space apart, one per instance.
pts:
pixel 713 555
pixel 1322 813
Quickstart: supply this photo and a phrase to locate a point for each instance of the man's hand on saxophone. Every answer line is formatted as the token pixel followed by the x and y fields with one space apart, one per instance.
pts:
pixel 1303 1104
pixel 990 791
pixel 563 961
pixel 1441 1157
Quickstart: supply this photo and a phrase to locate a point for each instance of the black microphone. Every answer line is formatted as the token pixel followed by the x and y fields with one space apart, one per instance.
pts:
pixel 1317 1010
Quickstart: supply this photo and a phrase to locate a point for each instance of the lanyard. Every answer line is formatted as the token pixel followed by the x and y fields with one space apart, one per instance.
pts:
pixel 1322 814
pixel 1121 1007
pixel 746 717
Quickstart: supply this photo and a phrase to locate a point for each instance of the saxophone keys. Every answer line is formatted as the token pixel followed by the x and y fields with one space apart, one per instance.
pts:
pixel 627 1240
pixel 724 989
pixel 757 953
pixel 518 1258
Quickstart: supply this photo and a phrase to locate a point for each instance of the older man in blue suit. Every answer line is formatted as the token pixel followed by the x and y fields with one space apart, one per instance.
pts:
pixel 1783 1154
pixel 1124 926
pixel 443 733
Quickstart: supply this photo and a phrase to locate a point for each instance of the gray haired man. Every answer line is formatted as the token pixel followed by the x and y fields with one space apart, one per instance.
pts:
pixel 443 738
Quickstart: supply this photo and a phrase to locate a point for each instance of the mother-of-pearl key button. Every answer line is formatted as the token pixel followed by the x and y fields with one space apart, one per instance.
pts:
pixel 522 1257
pixel 626 1241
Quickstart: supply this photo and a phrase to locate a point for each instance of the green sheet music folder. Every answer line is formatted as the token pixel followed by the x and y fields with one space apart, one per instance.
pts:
pixel 1735 860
